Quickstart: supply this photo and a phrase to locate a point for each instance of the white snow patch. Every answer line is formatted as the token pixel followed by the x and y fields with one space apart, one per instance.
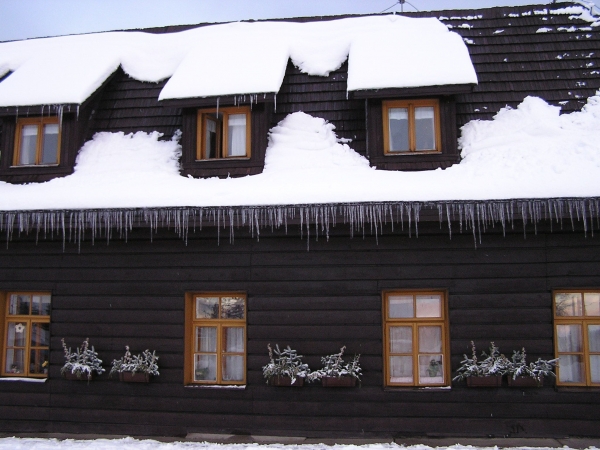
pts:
pixel 14 443
pixel 25 380
pixel 465 25
pixel 540 12
pixel 543 30
pixel 236 58
pixel 570 29
pixel 527 152
pixel 498 31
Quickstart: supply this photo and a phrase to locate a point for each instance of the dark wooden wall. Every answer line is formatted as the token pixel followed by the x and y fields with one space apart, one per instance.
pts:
pixel 316 301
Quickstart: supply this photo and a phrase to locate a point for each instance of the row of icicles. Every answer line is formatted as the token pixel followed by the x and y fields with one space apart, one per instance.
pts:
pixel 74 226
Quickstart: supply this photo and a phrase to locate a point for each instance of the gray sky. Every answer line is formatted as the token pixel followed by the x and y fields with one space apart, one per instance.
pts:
pixel 20 19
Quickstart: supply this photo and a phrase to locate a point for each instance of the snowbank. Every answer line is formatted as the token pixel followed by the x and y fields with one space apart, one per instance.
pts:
pixel 528 152
pixel 236 58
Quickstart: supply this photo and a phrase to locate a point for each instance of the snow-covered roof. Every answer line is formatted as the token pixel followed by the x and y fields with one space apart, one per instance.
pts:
pixel 525 153
pixel 236 58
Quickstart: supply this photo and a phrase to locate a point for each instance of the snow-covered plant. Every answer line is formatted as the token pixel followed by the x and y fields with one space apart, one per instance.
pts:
pixel 84 361
pixel 285 363
pixel 335 367
pixel 144 363
pixel 537 370
pixel 491 364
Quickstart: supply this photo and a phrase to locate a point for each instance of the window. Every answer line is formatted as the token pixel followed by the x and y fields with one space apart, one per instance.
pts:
pixel 415 336
pixel 216 343
pixel 411 126
pixel 577 337
pixel 26 348
pixel 37 142
pixel 223 133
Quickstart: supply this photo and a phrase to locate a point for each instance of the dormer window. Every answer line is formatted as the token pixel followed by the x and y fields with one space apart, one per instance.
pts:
pixel 223 133
pixel 37 142
pixel 411 126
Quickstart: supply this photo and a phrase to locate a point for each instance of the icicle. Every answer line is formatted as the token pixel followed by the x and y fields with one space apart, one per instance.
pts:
pixel 218 98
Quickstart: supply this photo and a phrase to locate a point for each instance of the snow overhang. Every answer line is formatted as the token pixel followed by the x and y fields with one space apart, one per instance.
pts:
pixel 238 58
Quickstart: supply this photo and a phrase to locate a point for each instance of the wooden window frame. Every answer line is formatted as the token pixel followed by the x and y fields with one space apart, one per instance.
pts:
pixel 415 323
pixel 411 105
pixel 40 122
pixel 583 321
pixel 191 322
pixel 4 321
pixel 223 137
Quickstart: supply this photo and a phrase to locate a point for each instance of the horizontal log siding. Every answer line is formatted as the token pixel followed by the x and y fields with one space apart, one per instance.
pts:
pixel 315 301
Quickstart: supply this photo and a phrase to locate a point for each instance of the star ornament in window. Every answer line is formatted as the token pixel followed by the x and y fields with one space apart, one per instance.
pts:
pixel 19 328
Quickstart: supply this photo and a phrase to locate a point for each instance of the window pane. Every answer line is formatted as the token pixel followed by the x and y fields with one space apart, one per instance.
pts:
pixel 19 305
pixel 595 368
pixel 40 305
pixel 568 305
pixel 401 339
pixel 400 306
pixel 594 338
pixel 206 339
pixel 233 340
pixel 569 338
pixel 207 307
pixel 15 361
pixel 28 145
pixel 232 307
pixel 429 306
pixel 212 136
pixel 570 369
pixel 40 334
pixel 236 135
pixel 430 339
pixel 17 334
pixel 38 361
pixel 424 128
pixel 401 370
pixel 50 144
pixel 431 369
pixel 398 129
pixel 233 368
pixel 592 303
pixel 205 368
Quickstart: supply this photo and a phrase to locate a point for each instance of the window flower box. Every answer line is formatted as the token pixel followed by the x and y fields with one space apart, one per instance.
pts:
pixel 525 381
pixel 491 381
pixel 338 381
pixel 283 381
pixel 134 377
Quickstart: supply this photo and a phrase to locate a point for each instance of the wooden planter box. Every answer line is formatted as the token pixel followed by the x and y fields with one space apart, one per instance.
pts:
pixel 73 377
pixel 134 377
pixel 523 381
pixel 286 381
pixel 493 381
pixel 338 381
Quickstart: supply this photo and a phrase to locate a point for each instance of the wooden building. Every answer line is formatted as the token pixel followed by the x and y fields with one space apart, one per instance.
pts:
pixel 489 270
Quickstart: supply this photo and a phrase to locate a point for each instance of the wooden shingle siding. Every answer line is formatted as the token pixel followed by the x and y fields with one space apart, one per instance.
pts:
pixel 129 105
pixel 315 301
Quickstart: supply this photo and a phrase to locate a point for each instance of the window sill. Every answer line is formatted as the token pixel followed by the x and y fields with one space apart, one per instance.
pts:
pixel 26 380
pixel 417 388
pixel 231 158
pixel 415 153
pixel 30 166
pixel 235 387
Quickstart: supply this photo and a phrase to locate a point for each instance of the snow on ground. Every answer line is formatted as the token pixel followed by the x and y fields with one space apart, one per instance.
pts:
pixel 134 444
pixel 236 58
pixel 528 152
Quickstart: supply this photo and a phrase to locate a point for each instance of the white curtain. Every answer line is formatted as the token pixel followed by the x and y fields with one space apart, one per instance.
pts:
pixel 236 140
pixel 28 145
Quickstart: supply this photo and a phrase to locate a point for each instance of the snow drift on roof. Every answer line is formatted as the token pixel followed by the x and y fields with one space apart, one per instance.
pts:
pixel 528 152
pixel 236 58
